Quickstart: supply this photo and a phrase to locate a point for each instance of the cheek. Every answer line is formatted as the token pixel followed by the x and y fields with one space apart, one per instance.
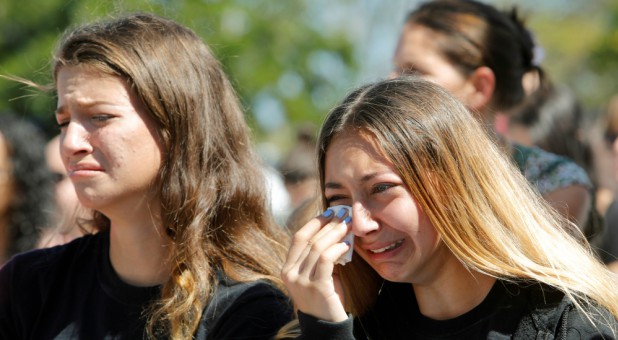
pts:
pixel 403 215
pixel 412 221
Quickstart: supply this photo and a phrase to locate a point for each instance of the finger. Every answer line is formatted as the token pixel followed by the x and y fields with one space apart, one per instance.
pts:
pixel 335 233
pixel 304 235
pixel 326 262
pixel 336 220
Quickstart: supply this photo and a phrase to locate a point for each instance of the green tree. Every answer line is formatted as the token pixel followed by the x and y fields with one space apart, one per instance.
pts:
pixel 603 58
pixel 285 69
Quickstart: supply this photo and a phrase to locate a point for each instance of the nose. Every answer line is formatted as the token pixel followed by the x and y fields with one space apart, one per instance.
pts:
pixel 74 139
pixel 363 222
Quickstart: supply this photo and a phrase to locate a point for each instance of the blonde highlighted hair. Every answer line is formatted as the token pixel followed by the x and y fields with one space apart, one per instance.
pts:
pixel 485 211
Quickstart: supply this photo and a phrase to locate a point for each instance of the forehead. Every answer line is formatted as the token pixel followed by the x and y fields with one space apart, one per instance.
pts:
pixel 86 72
pixel 417 40
pixel 355 142
pixel 86 86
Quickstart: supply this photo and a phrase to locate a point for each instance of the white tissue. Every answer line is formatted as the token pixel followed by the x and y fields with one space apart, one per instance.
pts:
pixel 347 257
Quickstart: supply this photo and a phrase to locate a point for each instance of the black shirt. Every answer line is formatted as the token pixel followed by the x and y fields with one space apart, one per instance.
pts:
pixel 72 292
pixel 396 316
pixel 510 311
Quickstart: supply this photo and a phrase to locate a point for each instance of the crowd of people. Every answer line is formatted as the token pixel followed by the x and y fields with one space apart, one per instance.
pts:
pixel 480 203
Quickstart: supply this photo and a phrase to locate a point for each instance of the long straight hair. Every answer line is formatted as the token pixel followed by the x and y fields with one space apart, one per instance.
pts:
pixel 484 210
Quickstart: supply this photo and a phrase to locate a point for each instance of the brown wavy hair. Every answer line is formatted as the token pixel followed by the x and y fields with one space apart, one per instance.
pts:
pixel 213 198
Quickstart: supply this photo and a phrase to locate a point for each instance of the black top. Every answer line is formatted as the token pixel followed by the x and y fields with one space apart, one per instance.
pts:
pixel 72 292
pixel 510 311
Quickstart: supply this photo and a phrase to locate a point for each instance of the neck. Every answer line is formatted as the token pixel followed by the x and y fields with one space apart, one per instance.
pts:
pixel 454 294
pixel 139 253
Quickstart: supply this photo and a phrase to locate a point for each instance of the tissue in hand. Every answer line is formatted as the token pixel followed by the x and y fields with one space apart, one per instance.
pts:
pixel 349 238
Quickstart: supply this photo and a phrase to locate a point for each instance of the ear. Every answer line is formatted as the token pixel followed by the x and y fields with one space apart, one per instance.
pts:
pixel 482 85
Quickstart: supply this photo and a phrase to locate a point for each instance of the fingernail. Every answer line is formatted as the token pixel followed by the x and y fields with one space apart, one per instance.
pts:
pixel 347 220
pixel 347 243
pixel 341 213
pixel 327 213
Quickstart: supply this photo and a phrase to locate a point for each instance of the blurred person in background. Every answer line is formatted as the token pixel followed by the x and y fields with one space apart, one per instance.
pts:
pixel 26 186
pixel 299 169
pixel 609 243
pixel 553 119
pixel 69 213
pixel 485 57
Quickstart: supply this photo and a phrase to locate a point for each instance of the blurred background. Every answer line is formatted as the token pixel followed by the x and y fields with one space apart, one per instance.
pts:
pixel 290 61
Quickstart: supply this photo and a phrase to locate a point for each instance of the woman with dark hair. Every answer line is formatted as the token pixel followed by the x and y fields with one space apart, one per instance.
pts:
pixel 26 185
pixel 449 240
pixel 155 143
pixel 486 58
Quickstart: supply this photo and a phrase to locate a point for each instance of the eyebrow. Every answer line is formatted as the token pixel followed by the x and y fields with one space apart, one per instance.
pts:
pixel 89 104
pixel 366 178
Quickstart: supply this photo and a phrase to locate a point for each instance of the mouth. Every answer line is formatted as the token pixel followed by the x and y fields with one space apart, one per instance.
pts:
pixel 391 246
pixel 83 171
pixel 84 167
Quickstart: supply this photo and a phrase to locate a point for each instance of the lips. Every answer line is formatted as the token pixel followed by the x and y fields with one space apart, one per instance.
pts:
pixel 386 248
pixel 83 168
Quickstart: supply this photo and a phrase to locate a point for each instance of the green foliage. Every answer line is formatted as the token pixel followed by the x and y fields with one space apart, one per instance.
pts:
pixel 603 58
pixel 269 49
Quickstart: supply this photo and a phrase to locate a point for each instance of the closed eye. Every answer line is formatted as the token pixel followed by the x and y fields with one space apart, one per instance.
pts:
pixel 333 199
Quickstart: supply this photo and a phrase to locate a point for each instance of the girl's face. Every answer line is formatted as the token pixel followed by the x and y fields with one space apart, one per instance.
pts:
pixel 417 54
pixel 393 234
pixel 107 143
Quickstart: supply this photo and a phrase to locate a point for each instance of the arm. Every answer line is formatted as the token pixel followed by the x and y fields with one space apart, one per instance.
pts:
pixel 315 329
pixel 573 201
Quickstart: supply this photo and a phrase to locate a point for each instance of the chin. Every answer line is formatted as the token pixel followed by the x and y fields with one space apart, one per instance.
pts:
pixel 392 273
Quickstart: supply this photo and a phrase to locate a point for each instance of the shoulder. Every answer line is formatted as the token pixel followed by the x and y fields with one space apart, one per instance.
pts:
pixel 238 309
pixel 594 323
pixel 238 295
pixel 29 281
pixel 41 262
pixel 547 170
pixel 554 315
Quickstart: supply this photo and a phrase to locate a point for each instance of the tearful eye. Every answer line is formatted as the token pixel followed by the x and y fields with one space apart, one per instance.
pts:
pixel 101 118
pixel 381 188
pixel 332 199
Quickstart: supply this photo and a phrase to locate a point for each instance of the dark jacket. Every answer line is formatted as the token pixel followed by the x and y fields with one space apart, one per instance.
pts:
pixel 510 311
